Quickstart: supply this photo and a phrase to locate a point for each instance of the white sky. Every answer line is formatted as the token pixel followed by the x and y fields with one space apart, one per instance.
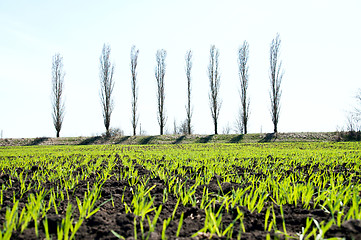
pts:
pixel 320 50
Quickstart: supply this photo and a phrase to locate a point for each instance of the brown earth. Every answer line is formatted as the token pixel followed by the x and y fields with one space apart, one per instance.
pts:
pixel 115 218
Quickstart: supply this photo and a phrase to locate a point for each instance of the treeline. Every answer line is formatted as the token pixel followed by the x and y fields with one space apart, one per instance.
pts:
pixel 107 85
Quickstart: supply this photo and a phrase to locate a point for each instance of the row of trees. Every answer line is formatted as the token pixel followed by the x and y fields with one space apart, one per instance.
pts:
pixel 107 86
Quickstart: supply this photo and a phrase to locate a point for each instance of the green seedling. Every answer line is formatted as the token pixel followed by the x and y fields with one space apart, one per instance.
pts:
pixel 306 175
pixel 135 228
pixel 10 222
pixel 46 228
pixel 117 235
pixel 180 224
pixel 87 207
pixel 165 225
pixel 153 223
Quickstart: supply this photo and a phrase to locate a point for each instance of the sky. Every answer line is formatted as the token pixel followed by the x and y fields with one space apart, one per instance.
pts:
pixel 320 53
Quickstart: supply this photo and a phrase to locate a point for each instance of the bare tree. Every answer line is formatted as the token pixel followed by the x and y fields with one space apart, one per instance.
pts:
pixel 353 123
pixel 189 108
pixel 175 127
pixel 276 74
pixel 358 108
pixel 106 86
pixel 243 53
pixel 238 125
pixel 183 127
pixel 354 117
pixel 141 131
pixel 226 129
pixel 214 83
pixel 57 93
pixel 159 75
pixel 133 67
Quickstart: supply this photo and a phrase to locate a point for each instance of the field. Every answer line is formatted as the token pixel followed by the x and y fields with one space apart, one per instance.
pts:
pixel 199 191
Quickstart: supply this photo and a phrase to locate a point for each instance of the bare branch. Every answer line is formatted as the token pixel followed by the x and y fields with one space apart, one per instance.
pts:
pixel 214 83
pixel 57 92
pixel 159 75
pixel 276 74
pixel 106 86
pixel 358 108
pixel 134 84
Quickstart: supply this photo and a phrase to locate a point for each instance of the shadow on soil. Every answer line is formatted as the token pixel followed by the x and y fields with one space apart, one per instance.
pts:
pixel 270 137
pixel 37 141
pixel 145 140
pixel 179 140
pixel 122 139
pixel 205 139
pixel 236 139
pixel 90 140
pixel 349 136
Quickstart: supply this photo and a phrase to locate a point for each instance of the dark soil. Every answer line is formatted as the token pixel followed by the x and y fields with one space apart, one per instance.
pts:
pixel 115 218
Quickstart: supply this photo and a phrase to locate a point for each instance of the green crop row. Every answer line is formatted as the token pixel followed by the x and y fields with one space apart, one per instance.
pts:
pixel 218 179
